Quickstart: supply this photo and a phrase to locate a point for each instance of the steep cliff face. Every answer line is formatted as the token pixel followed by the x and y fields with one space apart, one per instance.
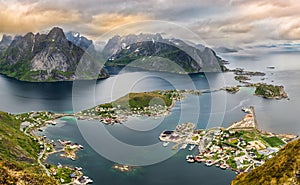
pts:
pixel 152 52
pixel 48 57
pixel 5 42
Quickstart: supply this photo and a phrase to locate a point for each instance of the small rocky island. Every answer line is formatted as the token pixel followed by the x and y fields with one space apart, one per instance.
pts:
pixel 270 91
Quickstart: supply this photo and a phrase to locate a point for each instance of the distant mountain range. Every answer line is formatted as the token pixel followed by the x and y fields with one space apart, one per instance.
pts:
pixel 153 52
pixel 55 56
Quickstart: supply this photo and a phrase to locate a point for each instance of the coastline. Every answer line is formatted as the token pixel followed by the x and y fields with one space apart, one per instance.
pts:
pixel 241 147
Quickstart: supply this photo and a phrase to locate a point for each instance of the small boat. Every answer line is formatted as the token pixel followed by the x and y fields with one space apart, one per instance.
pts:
pixel 190 159
pixel 165 144
pixel 223 166
pixel 78 168
pixel 183 146
pixel 198 159
pixel 192 147
pixel 271 67
pixel 208 163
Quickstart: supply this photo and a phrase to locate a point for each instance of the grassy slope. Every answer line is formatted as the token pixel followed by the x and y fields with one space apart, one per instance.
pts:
pixel 18 153
pixel 136 100
pixel 280 169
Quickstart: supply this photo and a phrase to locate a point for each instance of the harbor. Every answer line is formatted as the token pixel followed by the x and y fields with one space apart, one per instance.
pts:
pixel 241 147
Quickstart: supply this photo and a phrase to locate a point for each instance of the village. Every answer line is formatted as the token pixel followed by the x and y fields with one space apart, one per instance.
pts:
pixel 151 104
pixel 240 147
pixel 32 125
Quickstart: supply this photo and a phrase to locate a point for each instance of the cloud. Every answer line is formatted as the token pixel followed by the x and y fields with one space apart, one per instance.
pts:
pixel 19 18
pixel 103 23
pixel 220 23
pixel 250 22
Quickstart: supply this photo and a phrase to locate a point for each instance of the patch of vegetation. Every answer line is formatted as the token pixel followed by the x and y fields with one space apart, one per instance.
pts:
pixel 273 141
pixel 270 91
pixel 231 162
pixel 195 138
pixel 281 169
pixel 18 155
pixel 241 78
pixel 145 99
pixel 232 89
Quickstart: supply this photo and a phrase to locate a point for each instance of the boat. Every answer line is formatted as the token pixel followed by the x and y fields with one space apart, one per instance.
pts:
pixel 223 166
pixel 190 159
pixel 246 109
pixel 198 159
pixel 208 163
pixel 183 146
pixel 78 168
pixel 165 144
pixel 192 147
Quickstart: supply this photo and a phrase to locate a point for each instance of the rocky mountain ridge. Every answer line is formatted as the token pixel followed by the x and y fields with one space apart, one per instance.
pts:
pixel 153 52
pixel 55 56
pixel 48 57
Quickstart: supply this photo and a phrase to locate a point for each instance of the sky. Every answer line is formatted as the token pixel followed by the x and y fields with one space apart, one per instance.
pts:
pixel 228 23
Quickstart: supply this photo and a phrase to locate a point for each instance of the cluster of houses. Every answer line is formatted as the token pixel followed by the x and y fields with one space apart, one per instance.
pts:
pixel 224 148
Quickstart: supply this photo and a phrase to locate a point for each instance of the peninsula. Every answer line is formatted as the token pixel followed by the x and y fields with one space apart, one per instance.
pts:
pixel 241 147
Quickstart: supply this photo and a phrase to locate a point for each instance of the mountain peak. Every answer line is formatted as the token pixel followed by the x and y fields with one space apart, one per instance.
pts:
pixel 56 33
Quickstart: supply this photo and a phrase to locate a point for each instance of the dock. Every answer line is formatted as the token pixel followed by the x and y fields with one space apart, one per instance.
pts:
pixel 254 117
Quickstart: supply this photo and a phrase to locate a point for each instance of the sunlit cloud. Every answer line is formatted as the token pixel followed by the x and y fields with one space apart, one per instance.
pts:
pixel 219 23
pixel 17 18
pixel 103 23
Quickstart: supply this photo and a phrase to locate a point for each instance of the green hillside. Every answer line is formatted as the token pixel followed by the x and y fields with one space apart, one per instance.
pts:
pixel 281 169
pixel 18 155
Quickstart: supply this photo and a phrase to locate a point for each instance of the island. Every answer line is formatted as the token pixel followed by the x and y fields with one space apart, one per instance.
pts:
pixel 242 72
pixel 152 104
pixel 264 90
pixel 241 78
pixel 270 91
pixel 241 147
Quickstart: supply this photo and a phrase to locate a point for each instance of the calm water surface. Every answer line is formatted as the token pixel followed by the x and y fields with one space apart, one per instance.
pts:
pixel 208 110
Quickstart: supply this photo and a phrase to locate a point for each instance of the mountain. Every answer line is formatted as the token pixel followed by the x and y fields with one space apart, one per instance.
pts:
pixel 282 169
pixel 153 52
pixel 5 42
pixel 48 57
pixel 225 50
pixel 80 40
pixel 18 155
